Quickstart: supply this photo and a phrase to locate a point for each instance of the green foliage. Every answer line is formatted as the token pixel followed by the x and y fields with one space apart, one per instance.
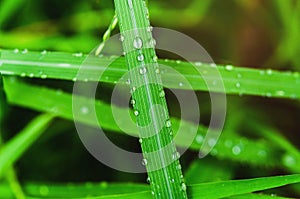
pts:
pixel 260 137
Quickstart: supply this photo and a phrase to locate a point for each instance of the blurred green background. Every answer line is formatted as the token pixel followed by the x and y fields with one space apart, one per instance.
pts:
pixel 249 33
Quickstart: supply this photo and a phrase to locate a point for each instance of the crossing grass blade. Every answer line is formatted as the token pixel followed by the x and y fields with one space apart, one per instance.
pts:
pixel 15 147
pixel 234 189
pixel 229 146
pixel 237 80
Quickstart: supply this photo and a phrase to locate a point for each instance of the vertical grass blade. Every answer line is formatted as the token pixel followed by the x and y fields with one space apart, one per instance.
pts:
pixel 148 100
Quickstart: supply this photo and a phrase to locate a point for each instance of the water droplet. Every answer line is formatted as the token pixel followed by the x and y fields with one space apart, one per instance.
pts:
pixel 198 63
pixel 23 74
pixel 289 161
pixel 44 52
pixel 212 142
pixel 140 57
pixel 239 75
pixel 152 192
pixel 183 186
pixel 178 167
pixel 143 70
pixel 238 85
pixel 122 38
pixel 137 43
pixel 214 152
pixel 148 180
pixel 162 93
pixel 180 84
pixel 213 65
pixel 77 54
pixel 133 89
pixel 157 71
pixel 268 94
pixel 229 67
pixel 31 75
pixel 155 58
pixel 132 102
pixel 178 61
pixel 280 93
pixel 144 162
pixel 199 139
pixel 25 51
pixel 175 155
pixel 136 113
pixel 152 42
pixel 84 110
pixel 43 76
pixel 140 140
pixel 236 150
pixel 150 29
pixel 74 79
pixel 269 71
pixel 168 124
pixel 16 50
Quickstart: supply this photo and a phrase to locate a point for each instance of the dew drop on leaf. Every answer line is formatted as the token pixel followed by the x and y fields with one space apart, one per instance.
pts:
pixel 23 74
pixel 136 112
pixel 43 76
pixel 229 67
pixel 269 71
pixel 168 124
pixel 180 84
pixel 162 93
pixel 236 150
pixel 238 85
pixel 132 102
pixel 289 161
pixel 143 70
pixel 25 51
pixel 175 155
pixel 31 75
pixel 183 186
pixel 148 180
pixel 44 52
pixel 199 139
pixel 144 162
pixel 198 63
pixel 16 50
pixel 155 58
pixel 137 43
pixel 212 142
pixel 140 140
pixel 122 38
pixel 280 93
pixel 140 57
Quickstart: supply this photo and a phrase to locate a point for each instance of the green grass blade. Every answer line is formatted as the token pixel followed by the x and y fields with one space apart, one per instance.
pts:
pixel 228 189
pixel 155 131
pixel 256 196
pixel 236 187
pixel 237 80
pixel 233 147
pixel 13 149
